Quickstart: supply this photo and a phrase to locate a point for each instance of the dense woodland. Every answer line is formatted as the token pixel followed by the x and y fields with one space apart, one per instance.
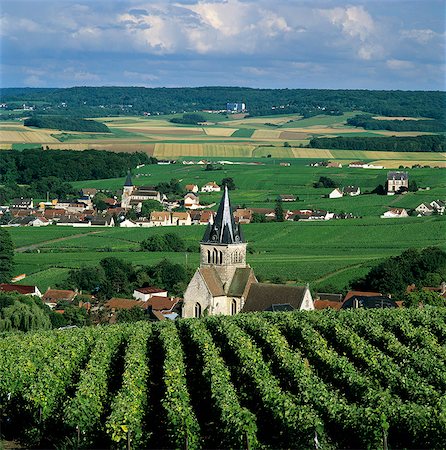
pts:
pixel 100 101
pixel 35 172
pixel 428 143
pixel 369 123
pixel 66 123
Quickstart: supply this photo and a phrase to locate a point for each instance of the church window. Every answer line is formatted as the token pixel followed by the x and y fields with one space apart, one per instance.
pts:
pixel 233 307
pixel 197 310
pixel 209 256
pixel 221 257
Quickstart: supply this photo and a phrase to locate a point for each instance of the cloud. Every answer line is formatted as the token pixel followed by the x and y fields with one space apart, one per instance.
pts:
pixel 422 36
pixel 399 64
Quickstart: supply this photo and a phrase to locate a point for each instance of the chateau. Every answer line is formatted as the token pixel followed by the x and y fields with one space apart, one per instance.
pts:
pixel 225 284
pixel 221 283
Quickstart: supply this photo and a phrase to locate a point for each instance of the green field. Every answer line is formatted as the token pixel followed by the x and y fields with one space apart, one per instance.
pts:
pixel 332 252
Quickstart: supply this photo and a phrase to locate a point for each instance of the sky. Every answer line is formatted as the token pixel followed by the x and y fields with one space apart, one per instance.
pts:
pixel 333 44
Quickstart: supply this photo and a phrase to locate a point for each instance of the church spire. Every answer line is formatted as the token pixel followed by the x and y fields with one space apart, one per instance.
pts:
pixel 223 230
pixel 128 180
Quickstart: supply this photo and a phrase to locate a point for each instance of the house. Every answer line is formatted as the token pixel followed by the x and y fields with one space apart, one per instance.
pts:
pixel 102 221
pixel 162 308
pixel 353 191
pixel 206 217
pixel 73 221
pixel 191 188
pixel 53 296
pixel 191 201
pixel 88 192
pixel 146 293
pixel 286 198
pixel 397 181
pixel 277 297
pixel 221 283
pixel 40 222
pixel 335 193
pixel 327 304
pixel 357 164
pixel 134 196
pixel 395 213
pixel 242 215
pixel 285 164
pixel 212 186
pixel 116 304
pixel 367 300
pixel 334 164
pixel 439 206
pixel 20 289
pixel 267 212
pixel 160 219
pixel 235 107
pixel 181 218
pixel 425 209
pixel 22 203
pixel 127 223
pixel 54 213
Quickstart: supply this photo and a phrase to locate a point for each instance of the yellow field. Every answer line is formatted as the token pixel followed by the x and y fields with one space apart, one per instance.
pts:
pixel 224 132
pixel 202 150
pixel 266 134
pixel 262 120
pixel 399 118
pixel 394 164
pixel 312 153
pixel 401 133
pixel 115 147
pixel 25 136
pixel 400 156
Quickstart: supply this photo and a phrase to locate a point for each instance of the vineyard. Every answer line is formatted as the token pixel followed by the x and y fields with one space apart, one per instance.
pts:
pixel 350 379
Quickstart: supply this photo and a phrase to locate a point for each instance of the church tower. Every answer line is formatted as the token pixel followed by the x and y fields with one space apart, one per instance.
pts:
pixel 221 283
pixel 127 192
pixel 223 246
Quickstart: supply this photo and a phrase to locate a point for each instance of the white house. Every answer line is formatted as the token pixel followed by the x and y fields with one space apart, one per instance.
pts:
pixel 191 201
pixel 160 218
pixel 353 191
pixel 21 289
pixel 335 193
pixel 146 293
pixel 127 223
pixel 395 213
pixel 40 222
pixel 181 218
pixel 212 186
pixel 425 209
pixel 439 206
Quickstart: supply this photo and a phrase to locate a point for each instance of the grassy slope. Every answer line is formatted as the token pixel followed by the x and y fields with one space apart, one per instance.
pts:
pixel 302 252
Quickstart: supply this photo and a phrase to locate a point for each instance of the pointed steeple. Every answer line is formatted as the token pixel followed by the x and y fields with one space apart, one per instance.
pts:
pixel 128 180
pixel 224 229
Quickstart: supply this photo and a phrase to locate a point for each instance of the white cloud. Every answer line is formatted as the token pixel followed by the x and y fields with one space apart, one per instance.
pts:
pixel 399 64
pixel 422 36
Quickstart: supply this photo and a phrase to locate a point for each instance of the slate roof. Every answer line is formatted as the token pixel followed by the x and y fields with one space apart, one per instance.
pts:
pixel 213 281
pixel 397 176
pixel 262 297
pixel 239 281
pixel 224 229
pixel 351 189
pixel 370 302
pixel 128 180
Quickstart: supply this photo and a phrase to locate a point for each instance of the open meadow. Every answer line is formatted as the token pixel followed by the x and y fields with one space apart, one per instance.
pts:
pixel 322 253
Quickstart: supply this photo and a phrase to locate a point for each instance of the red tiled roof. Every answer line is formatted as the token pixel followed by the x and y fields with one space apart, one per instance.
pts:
pixel 351 294
pixel 123 303
pixel 150 290
pixel 324 304
pixel 20 288
pixel 161 303
pixel 58 294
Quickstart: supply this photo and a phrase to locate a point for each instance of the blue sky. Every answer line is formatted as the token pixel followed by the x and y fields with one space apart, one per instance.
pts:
pixel 388 44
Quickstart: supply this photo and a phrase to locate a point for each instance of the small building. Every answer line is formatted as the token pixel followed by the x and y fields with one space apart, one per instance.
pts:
pixel 395 213
pixel 54 296
pixel 88 192
pixel 191 188
pixel 369 301
pixel 127 223
pixel 439 206
pixel 286 198
pixel 235 107
pixel 102 221
pixel 353 191
pixel 212 186
pixel 357 164
pixel 335 193
pixel 277 297
pixel 160 219
pixel 285 164
pixel 191 201
pixel 146 293
pixel 242 215
pixel 335 164
pixel 424 209
pixel 181 219
pixel 206 217
pixel 22 203
pixel 396 181
pixel 20 289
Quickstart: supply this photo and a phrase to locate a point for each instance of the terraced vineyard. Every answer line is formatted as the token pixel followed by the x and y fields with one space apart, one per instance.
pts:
pixel 354 379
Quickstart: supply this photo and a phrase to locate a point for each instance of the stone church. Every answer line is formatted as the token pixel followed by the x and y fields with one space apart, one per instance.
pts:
pixel 221 283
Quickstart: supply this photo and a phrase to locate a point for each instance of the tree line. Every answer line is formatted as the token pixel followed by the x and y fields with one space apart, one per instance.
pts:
pixel 34 172
pixel 428 143
pixel 95 101
pixel 66 123
pixel 369 123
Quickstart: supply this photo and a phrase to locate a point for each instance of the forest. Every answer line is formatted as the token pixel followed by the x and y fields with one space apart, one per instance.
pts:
pixel 369 123
pixel 428 143
pixel 100 101
pixel 34 172
pixel 66 123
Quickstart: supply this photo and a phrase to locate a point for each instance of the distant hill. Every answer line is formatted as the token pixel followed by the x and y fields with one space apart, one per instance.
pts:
pixel 102 101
